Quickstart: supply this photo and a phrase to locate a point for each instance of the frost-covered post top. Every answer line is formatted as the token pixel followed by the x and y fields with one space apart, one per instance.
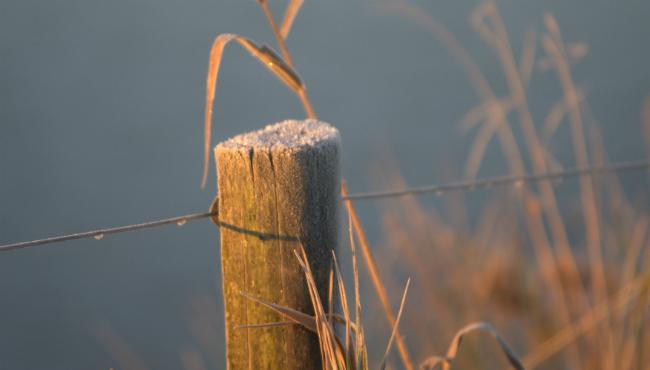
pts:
pixel 289 134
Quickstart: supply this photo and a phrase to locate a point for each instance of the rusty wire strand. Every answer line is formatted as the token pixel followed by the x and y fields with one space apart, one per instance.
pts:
pixel 493 182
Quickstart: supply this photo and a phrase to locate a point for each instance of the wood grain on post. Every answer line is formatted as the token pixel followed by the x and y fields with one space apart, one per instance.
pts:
pixel 277 186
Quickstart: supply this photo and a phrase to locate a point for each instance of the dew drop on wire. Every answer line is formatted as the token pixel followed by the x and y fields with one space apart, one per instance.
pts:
pixel 439 192
pixel 519 184
pixel 99 236
pixel 181 222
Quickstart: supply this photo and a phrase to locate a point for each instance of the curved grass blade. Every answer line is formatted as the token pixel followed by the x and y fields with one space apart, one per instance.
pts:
pixel 216 53
pixel 452 351
pixel 265 55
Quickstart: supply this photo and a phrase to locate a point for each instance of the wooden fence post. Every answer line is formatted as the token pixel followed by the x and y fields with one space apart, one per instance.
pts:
pixel 277 186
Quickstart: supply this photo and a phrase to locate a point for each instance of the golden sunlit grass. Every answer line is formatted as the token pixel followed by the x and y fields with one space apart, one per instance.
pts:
pixel 571 299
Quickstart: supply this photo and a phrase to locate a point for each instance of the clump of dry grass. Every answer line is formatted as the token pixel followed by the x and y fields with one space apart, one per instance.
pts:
pixel 350 352
pixel 575 302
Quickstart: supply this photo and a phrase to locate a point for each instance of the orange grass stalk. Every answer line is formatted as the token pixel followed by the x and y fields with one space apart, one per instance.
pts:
pixel 280 35
pixel 361 357
pixel 555 47
pixel 382 366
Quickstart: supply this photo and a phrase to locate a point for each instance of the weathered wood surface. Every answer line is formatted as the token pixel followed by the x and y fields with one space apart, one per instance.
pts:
pixel 276 186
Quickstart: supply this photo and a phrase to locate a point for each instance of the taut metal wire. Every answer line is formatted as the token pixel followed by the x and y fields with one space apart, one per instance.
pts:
pixel 487 183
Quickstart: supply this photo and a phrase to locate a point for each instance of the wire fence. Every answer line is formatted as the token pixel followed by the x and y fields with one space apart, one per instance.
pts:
pixel 466 186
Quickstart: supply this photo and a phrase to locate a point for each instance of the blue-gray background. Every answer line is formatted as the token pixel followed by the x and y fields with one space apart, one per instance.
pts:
pixel 101 106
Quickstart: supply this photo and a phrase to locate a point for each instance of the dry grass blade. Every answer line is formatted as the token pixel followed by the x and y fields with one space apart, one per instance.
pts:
pixel 118 348
pixel 556 115
pixel 482 18
pixel 528 56
pixel 262 53
pixel 282 70
pixel 346 311
pixel 292 8
pixel 267 325
pixel 495 116
pixel 485 327
pixel 394 331
pixel 633 254
pixel 480 144
pixel 553 120
pixel 577 50
pixel 572 52
pixel 296 316
pixel 289 16
pixel 359 340
pixel 482 112
pixel 339 319
pixel 452 351
pixel 216 54
pixel 331 349
pixel 473 117
pixel 552 26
